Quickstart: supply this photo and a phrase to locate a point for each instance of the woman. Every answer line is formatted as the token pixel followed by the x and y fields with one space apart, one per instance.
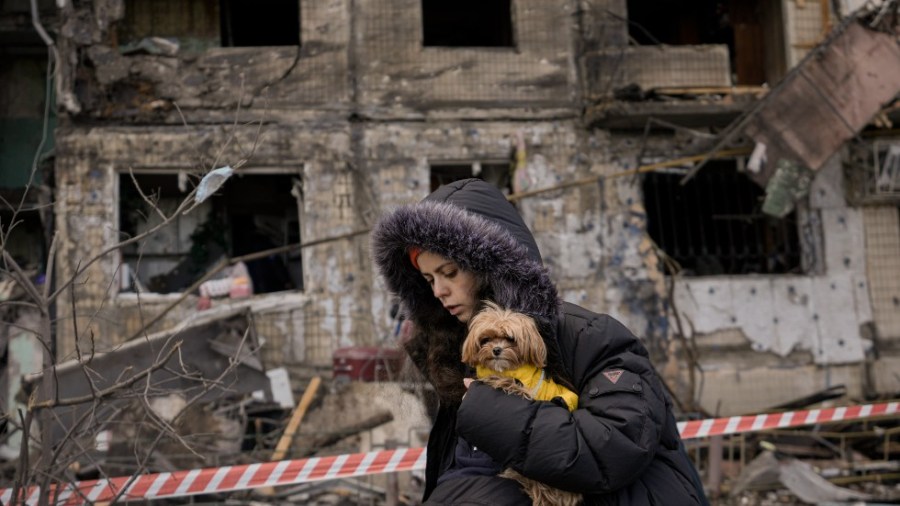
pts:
pixel 466 243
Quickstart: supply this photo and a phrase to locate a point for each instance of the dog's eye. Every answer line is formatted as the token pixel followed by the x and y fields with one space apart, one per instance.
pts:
pixel 483 341
pixel 510 339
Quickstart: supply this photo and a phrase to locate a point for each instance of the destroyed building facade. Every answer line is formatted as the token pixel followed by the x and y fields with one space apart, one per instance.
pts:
pixel 334 110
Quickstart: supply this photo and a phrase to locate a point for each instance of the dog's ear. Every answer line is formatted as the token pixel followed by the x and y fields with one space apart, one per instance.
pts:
pixel 470 349
pixel 532 347
pixel 478 325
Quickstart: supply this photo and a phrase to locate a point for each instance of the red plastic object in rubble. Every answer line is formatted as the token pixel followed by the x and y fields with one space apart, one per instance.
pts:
pixel 367 363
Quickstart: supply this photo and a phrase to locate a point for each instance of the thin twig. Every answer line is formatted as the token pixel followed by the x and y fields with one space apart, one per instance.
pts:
pixel 24 282
pixel 23 303
pixel 121 245
pixel 190 403
pixel 51 264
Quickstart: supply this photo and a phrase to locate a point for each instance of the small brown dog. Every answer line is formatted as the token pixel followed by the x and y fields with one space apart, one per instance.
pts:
pixel 509 354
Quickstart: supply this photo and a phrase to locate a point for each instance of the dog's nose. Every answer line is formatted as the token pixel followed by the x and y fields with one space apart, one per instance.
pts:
pixel 497 351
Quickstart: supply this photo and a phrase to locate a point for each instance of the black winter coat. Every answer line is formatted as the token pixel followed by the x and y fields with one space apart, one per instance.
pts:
pixel 620 446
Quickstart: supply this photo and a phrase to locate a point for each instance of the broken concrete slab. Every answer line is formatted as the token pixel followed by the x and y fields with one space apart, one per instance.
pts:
pixel 806 484
pixel 827 99
pixel 769 470
pixel 208 361
pixel 657 66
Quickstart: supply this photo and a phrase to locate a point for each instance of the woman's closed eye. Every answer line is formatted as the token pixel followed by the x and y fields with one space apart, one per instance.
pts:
pixel 449 273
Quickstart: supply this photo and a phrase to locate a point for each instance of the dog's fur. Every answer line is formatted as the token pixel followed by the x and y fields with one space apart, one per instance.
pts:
pixel 502 340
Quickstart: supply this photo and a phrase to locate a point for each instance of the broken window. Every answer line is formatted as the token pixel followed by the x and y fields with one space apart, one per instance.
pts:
pixel 251 213
pixel 200 24
pixel 714 224
pixel 497 173
pixel 751 29
pixel 467 23
pixel 255 23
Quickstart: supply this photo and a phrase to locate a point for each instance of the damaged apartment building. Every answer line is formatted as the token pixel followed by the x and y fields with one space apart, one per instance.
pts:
pixel 694 168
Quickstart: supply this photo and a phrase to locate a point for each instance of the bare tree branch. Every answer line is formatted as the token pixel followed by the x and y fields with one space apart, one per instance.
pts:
pixel 23 280
pixel 106 391
pixel 22 303
pixel 51 264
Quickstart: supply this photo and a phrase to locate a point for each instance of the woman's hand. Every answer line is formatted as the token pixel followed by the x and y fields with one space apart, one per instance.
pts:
pixel 467 382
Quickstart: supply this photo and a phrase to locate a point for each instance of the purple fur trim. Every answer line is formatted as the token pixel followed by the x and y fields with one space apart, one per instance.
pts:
pixel 476 244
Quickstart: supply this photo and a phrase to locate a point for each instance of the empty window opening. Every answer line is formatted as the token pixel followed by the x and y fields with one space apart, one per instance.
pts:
pixel 497 174
pixel 251 213
pixel 678 22
pixel 714 224
pixel 751 29
pixel 467 23
pixel 260 23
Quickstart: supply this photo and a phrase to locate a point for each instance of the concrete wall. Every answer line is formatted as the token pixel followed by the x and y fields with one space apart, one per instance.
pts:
pixel 807 332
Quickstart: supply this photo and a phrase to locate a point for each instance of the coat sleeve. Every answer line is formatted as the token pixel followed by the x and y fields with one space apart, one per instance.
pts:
pixel 603 445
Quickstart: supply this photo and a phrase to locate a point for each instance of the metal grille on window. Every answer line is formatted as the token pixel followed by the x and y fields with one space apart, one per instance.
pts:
pixel 714 224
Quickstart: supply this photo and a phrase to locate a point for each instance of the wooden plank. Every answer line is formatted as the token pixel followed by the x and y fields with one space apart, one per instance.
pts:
pixel 296 417
pixel 712 90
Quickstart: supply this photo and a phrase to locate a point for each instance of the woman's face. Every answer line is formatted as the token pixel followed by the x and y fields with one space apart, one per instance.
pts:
pixel 455 288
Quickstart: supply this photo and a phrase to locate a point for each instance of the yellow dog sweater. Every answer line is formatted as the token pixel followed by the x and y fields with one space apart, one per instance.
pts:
pixel 542 389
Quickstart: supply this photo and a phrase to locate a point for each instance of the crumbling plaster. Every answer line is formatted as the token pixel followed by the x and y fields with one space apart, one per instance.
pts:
pixel 397 74
pixel 810 331
pixel 272 82
pixel 651 67
pixel 821 313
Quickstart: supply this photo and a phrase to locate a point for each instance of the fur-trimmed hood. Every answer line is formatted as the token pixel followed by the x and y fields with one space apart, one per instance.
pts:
pixel 472 223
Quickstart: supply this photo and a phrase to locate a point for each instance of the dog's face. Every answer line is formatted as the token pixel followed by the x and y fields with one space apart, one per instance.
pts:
pixel 500 339
pixel 497 352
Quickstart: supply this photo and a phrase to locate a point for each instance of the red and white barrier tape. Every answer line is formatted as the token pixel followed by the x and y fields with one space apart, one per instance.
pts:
pixel 754 423
pixel 293 472
pixel 230 478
